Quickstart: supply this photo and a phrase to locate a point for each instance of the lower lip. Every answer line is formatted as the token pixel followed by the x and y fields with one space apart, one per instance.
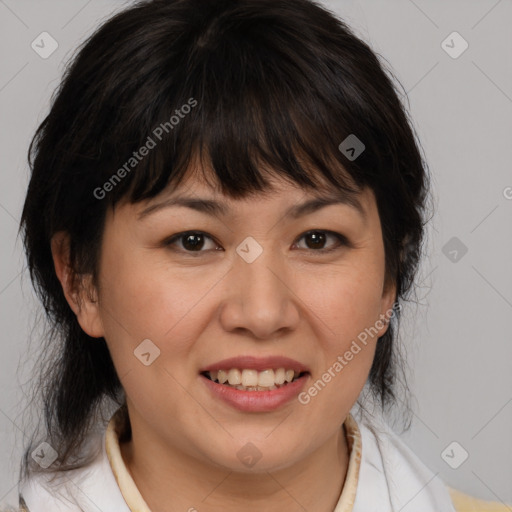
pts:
pixel 256 401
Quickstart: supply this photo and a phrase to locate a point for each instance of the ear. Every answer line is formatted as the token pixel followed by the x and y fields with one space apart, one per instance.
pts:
pixel 79 290
pixel 387 301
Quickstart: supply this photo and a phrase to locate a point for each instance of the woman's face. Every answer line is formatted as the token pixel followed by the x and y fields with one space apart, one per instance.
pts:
pixel 251 284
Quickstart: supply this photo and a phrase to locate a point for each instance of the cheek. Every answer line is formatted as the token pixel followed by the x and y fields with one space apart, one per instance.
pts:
pixel 347 299
pixel 143 299
pixel 348 305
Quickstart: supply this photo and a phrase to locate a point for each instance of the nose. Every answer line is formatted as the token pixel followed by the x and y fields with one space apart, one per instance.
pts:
pixel 260 299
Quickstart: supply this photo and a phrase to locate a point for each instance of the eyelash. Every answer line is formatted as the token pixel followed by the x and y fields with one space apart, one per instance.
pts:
pixel 341 239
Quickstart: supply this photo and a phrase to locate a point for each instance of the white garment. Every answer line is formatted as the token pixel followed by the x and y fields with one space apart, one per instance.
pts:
pixel 391 479
pixel 90 489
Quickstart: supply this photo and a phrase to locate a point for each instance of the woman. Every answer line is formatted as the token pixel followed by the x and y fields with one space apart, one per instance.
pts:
pixel 225 214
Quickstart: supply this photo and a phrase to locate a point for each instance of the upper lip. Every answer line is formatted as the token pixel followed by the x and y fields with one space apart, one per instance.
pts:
pixel 256 363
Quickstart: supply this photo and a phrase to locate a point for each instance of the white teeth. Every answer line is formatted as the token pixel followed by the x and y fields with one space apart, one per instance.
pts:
pixel 252 380
pixel 235 377
pixel 279 376
pixel 266 378
pixel 249 378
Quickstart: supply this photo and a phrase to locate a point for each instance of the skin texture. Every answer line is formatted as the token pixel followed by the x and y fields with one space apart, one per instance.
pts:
pixel 201 307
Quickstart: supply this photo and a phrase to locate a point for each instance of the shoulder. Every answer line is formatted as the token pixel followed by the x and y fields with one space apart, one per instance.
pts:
pixel 87 488
pixel 466 503
pixel 387 452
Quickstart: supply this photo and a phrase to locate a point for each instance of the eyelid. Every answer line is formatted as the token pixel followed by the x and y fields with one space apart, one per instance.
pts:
pixel 168 242
pixel 342 240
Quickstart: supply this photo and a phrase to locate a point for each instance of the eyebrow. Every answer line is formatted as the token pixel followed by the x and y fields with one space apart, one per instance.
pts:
pixel 214 208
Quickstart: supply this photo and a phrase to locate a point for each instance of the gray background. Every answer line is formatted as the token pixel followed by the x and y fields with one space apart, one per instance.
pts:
pixel 457 336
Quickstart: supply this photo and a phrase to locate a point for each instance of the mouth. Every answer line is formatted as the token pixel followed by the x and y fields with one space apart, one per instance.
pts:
pixel 255 383
pixel 253 380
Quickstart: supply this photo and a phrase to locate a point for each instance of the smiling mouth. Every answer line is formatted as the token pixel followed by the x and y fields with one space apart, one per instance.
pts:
pixel 252 380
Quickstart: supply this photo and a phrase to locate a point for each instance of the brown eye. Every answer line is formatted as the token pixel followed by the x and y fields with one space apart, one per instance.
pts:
pixel 191 241
pixel 316 240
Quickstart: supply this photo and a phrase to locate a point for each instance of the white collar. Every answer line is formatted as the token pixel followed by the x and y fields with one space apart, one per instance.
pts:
pixel 392 478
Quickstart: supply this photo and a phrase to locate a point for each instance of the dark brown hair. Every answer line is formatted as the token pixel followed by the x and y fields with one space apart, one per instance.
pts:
pixel 277 85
